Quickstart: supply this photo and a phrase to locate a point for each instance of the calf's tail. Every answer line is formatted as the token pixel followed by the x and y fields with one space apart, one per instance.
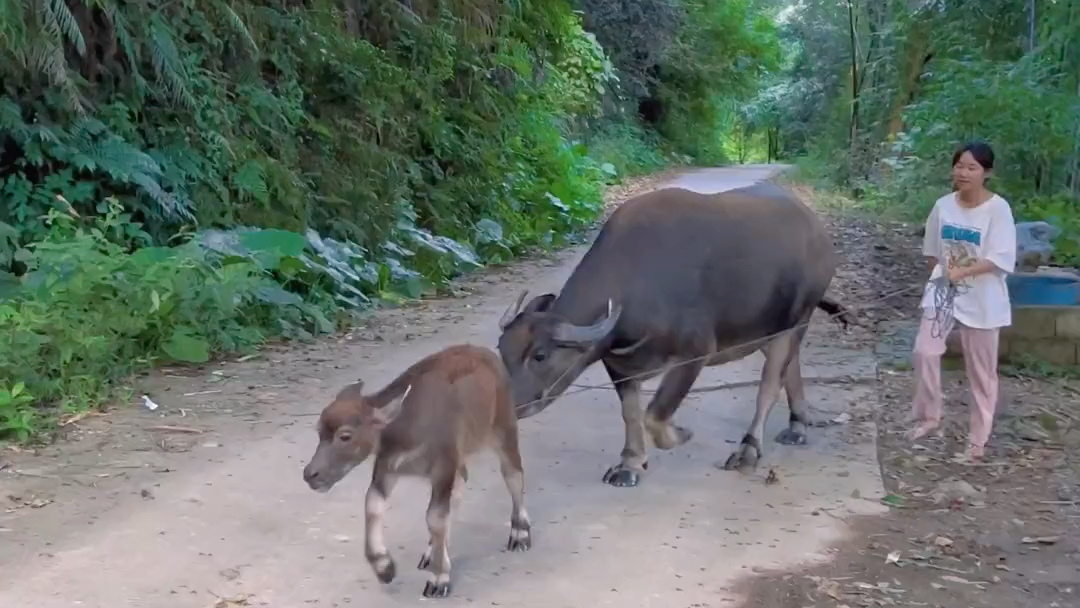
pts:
pixel 837 311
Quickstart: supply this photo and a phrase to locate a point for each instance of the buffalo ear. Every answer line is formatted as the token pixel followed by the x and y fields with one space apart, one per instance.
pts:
pixel 540 303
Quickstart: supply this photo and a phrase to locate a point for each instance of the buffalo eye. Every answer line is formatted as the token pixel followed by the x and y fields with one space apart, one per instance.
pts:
pixel 539 355
pixel 345 436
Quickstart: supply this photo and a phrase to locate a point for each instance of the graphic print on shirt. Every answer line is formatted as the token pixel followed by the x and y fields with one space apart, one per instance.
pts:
pixel 961 245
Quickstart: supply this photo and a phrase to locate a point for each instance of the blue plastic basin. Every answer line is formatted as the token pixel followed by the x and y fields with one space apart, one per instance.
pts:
pixel 1043 290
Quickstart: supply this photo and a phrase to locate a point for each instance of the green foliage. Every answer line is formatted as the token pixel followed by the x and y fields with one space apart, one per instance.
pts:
pixel 16 414
pixel 182 180
pixel 225 115
pixel 1059 210
pixel 636 34
pixel 583 74
pixel 718 58
pixel 629 148
pixel 686 65
pixel 87 313
pixel 931 76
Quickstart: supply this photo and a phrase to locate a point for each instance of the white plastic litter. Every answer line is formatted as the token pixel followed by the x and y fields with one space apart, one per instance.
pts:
pixel 149 403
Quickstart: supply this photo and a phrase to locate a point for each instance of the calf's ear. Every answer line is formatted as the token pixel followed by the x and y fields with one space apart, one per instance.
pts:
pixel 386 414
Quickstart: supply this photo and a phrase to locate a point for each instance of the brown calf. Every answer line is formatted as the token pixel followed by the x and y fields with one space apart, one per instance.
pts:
pixel 425 423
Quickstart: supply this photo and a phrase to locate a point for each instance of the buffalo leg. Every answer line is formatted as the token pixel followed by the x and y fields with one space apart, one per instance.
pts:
pixel 799 418
pixel 778 354
pixel 445 493
pixel 634 458
pixel 514 477
pixel 669 396
pixel 378 556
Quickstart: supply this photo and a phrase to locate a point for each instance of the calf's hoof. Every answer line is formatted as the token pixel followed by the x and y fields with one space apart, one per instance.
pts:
pixel 520 539
pixel 435 589
pixel 666 435
pixel 384 568
pixel 623 476
pixel 791 437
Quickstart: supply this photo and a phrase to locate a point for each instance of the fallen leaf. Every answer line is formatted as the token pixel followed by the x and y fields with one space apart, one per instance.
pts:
pixel 1041 540
pixel 893 500
pixel 229 602
pixel 830 588
pixel 942 541
pixel 175 429
pixel 962 581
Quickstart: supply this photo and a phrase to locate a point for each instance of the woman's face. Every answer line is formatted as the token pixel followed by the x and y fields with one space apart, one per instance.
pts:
pixel 968 173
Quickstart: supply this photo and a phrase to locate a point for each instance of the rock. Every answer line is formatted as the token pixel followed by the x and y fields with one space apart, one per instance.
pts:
pixel 953 490
pixel 1071 439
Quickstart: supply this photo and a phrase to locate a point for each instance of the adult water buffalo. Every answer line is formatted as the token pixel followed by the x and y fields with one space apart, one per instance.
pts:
pixel 676 281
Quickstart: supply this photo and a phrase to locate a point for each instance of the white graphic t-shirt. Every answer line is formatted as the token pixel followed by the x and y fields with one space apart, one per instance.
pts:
pixel 959 236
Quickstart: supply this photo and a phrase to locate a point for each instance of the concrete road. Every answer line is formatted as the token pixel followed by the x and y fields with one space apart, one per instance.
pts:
pixel 247 526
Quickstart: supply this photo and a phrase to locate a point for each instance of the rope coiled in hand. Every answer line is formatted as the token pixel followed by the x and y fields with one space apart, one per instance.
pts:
pixel 944 294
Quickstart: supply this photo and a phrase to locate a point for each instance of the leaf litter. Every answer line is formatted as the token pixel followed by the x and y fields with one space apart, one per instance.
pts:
pixel 952 536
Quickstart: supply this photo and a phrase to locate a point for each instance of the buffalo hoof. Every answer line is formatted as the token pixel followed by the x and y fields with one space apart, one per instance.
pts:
pixel 791 437
pixel 743 461
pixel 384 568
pixel 667 436
pixel 435 589
pixel 520 539
pixel 622 476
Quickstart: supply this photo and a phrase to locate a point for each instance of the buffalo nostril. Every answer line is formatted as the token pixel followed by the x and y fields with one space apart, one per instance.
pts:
pixel 310 475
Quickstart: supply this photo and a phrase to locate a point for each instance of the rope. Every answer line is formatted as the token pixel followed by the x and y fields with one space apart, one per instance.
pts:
pixel 583 388
pixel 944 294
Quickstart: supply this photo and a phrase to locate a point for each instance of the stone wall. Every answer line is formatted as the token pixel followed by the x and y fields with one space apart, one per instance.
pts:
pixel 1049 333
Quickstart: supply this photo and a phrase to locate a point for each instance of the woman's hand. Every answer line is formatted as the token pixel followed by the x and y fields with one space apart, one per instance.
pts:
pixel 958 273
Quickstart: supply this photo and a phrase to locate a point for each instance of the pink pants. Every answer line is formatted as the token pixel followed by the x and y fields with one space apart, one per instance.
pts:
pixel 980 358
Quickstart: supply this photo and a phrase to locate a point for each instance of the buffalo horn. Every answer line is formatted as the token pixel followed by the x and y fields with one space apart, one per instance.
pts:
pixel 568 332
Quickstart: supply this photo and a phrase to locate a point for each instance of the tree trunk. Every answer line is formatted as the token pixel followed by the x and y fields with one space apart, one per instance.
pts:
pixel 1031 26
pixel 854 125
pixel 918 55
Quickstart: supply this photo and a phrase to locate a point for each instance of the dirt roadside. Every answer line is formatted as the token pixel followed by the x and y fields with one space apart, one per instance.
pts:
pixel 960 531
pixel 1002 535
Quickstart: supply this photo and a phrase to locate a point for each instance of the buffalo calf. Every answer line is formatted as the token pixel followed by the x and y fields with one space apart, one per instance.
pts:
pixel 425 423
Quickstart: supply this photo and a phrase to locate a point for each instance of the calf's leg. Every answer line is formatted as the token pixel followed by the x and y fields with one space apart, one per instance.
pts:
pixel 799 419
pixel 634 457
pixel 778 353
pixel 378 556
pixel 455 500
pixel 514 477
pixel 445 492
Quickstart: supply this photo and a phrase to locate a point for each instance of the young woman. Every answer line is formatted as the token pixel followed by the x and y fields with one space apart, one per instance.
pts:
pixel 970 243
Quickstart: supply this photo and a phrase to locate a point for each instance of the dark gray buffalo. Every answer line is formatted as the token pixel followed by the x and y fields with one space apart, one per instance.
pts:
pixel 675 281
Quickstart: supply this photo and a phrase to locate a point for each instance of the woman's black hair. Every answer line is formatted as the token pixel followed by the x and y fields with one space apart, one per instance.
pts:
pixel 980 151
